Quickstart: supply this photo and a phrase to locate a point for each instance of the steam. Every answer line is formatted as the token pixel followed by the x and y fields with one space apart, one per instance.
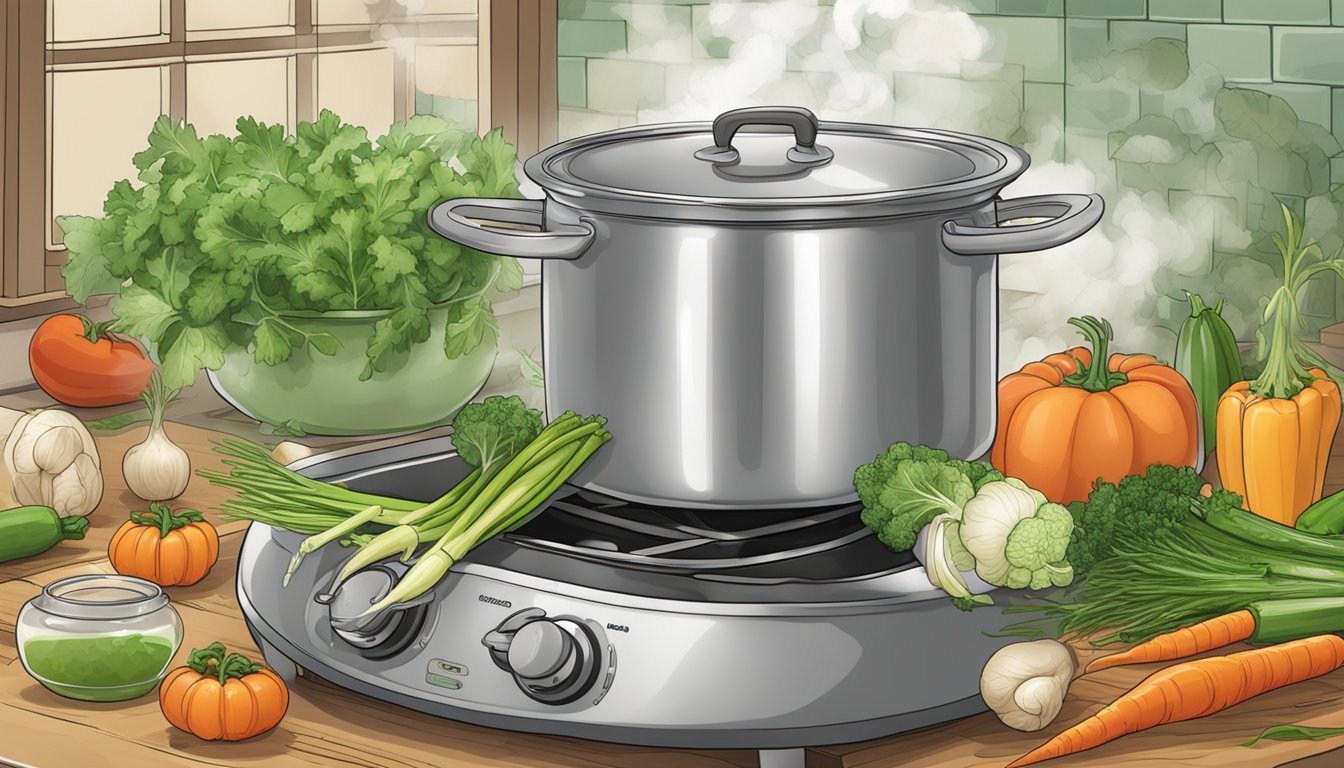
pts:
pixel 390 16
pixel 920 63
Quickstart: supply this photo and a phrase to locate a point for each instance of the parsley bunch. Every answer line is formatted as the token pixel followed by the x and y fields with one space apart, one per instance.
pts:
pixel 227 238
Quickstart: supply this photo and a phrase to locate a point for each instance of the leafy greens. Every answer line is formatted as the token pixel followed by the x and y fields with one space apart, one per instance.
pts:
pixel 226 239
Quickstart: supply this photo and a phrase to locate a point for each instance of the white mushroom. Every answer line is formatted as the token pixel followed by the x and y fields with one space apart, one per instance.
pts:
pixel 1025 683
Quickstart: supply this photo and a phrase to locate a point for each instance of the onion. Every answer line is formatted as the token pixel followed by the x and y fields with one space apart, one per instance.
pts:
pixel 157 469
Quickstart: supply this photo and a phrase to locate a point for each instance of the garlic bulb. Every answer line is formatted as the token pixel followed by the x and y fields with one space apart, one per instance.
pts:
pixel 1025 683
pixel 156 469
pixel 53 461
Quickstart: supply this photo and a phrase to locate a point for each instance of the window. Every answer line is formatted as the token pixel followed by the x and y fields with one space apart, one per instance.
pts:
pixel 81 81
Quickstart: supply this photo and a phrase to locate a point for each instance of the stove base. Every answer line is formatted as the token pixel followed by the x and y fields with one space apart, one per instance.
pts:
pixel 782 749
pixel 770 632
pixel 327 658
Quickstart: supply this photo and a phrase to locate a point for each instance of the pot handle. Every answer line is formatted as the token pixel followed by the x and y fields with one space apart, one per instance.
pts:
pixel 1069 217
pixel 806 150
pixel 453 219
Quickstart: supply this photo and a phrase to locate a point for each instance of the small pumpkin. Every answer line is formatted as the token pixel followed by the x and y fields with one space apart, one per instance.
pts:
pixel 220 695
pixel 165 547
pixel 1069 420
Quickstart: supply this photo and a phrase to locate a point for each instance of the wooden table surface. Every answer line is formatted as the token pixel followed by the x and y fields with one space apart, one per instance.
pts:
pixel 327 726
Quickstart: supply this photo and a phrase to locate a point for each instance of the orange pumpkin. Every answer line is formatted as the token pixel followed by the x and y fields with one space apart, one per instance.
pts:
pixel 218 696
pixel 1064 422
pixel 168 548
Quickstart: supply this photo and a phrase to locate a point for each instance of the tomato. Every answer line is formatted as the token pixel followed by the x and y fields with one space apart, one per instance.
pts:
pixel 79 363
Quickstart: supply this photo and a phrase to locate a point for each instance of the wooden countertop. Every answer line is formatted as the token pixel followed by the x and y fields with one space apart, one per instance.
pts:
pixel 328 726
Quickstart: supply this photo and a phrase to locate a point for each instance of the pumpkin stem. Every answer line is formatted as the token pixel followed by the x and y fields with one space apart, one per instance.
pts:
pixel 234 665
pixel 1095 377
pixel 162 517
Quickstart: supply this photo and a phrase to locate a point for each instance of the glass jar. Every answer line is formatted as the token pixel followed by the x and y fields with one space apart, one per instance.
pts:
pixel 98 638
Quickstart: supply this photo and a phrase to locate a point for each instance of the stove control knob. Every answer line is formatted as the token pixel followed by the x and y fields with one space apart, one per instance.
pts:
pixel 540 649
pixel 553 660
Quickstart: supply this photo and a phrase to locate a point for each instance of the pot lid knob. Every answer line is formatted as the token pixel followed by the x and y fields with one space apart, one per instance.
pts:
pixel 806 150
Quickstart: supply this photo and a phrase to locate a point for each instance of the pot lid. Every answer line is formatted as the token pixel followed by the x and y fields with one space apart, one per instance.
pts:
pixel 780 162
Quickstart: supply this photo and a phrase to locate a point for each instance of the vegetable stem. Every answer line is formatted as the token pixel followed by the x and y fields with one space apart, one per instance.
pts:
pixel 1287 358
pixel 1096 375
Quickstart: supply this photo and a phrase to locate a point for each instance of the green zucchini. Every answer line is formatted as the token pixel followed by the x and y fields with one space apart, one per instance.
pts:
pixel 1325 517
pixel 1207 356
pixel 1278 621
pixel 1252 528
pixel 27 531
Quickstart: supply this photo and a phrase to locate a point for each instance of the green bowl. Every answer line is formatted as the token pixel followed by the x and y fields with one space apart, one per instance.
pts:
pixel 322 395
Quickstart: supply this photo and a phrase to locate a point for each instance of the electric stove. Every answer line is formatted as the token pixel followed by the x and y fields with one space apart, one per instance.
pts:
pixel 622 622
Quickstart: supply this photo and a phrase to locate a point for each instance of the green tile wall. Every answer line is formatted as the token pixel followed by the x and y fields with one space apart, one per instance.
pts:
pixel 1107 9
pixel 1187 10
pixel 1277 11
pixel 1337 113
pixel 1111 71
pixel 589 38
pixel 1035 43
pixel 1031 7
pixel 1310 102
pixel 1238 52
pixel 1086 39
pixel 1309 55
pixel 572 75
pixel 1138 31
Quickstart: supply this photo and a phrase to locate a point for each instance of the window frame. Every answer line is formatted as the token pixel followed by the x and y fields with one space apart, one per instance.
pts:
pixel 516 90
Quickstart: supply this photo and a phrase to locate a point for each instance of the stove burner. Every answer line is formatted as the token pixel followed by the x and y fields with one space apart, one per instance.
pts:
pixel 597 527
pixel 582 537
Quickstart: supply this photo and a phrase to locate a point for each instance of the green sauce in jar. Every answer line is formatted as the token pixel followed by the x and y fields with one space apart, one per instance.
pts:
pixel 99 667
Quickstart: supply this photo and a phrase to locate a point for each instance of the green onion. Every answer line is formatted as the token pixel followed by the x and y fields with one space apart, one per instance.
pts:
pixel 522 466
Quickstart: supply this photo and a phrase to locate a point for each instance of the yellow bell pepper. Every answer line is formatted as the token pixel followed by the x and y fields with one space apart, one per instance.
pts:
pixel 1274 433
pixel 1273 451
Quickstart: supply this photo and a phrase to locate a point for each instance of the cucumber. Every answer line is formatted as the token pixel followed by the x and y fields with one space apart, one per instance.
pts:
pixel 1324 517
pixel 1207 356
pixel 27 531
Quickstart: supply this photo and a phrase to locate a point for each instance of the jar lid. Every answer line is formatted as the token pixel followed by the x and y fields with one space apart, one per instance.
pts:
pixel 99 596
pixel 778 163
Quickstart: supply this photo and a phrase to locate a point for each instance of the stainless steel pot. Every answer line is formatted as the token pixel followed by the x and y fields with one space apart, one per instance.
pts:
pixel 759 312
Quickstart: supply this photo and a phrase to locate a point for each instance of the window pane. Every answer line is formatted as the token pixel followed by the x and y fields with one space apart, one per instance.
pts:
pixel 99 119
pixel 446 82
pixel 219 92
pixel 357 85
pixel 238 14
pixel 446 6
pixel 362 12
pixel 446 70
pixel 76 20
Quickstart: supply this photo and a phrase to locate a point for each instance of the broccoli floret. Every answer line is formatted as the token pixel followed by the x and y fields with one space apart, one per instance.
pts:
pixel 979 473
pixel 907 485
pixel 870 479
pixel 489 433
pixel 1142 506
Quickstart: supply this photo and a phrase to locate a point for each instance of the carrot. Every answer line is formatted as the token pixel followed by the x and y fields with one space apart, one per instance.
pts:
pixel 1186 641
pixel 1196 689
